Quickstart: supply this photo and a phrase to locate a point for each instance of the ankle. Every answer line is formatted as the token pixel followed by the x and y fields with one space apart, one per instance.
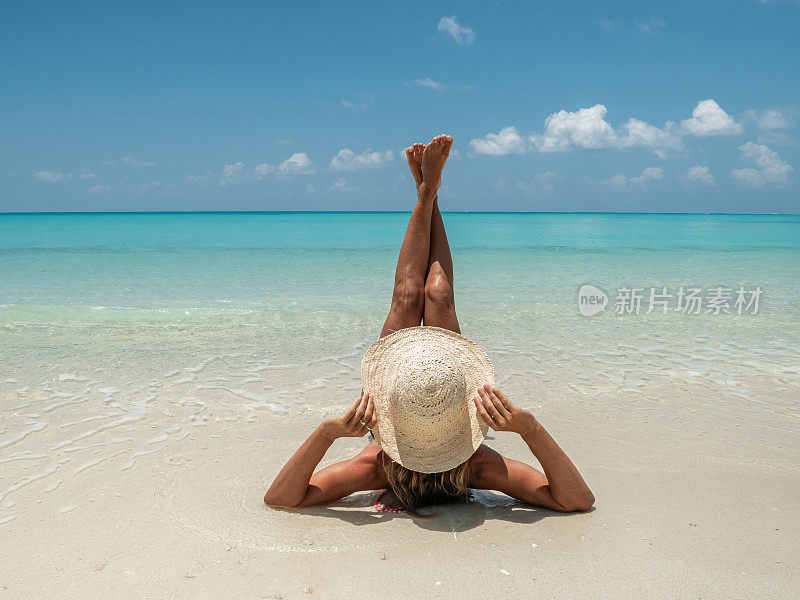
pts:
pixel 425 194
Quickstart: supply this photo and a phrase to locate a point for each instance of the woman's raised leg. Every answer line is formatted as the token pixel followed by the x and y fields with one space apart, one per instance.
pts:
pixel 439 310
pixel 408 298
pixel 440 303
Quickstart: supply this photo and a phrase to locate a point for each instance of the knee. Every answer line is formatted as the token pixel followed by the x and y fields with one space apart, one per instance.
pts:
pixel 409 294
pixel 438 291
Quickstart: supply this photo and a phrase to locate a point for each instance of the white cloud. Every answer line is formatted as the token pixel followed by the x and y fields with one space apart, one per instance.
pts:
pixel 708 118
pixel 700 174
pixel 87 173
pixel 770 170
pixel 542 182
pixel 263 170
pixel 458 32
pixel 359 102
pixel 609 24
pixel 232 174
pixel 340 185
pixel 52 176
pixel 587 129
pixel 546 176
pixel 135 162
pixel 507 141
pixel 347 160
pixel 145 187
pixel 623 182
pixel 771 124
pixel 98 189
pixel 652 25
pixel 637 133
pixel 208 176
pixel 297 164
pixel 769 120
pixel 430 83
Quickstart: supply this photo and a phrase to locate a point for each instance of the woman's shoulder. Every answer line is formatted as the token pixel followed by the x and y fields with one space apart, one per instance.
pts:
pixel 371 460
pixel 481 463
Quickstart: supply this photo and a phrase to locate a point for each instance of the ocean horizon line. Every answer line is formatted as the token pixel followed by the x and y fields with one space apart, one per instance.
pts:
pixel 479 212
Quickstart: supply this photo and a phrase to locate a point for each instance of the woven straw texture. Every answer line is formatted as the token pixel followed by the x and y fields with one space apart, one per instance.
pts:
pixel 423 380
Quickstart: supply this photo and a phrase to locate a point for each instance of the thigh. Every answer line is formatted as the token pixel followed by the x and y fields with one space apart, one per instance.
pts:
pixel 400 318
pixel 444 317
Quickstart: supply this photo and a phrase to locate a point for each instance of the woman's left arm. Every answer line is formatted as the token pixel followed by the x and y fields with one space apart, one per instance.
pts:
pixel 297 486
pixel 561 487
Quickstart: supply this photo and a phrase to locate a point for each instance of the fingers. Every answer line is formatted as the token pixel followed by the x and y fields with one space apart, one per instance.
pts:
pixel 482 412
pixel 496 403
pixel 370 416
pixel 503 400
pixel 358 416
pixel 369 410
pixel 488 405
pixel 348 416
pixel 368 419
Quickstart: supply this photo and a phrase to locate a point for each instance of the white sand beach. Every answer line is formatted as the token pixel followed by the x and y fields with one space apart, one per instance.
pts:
pixel 147 482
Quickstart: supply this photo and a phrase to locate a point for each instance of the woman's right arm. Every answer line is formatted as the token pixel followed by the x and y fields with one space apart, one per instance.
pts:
pixel 560 487
pixel 298 486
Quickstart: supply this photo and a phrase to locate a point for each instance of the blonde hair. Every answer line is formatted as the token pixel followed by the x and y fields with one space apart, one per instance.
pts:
pixel 414 490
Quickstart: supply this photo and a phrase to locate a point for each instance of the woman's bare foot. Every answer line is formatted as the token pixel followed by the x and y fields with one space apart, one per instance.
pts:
pixel 433 159
pixel 414 156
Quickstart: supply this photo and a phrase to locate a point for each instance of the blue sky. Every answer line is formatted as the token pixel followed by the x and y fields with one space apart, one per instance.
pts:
pixel 617 106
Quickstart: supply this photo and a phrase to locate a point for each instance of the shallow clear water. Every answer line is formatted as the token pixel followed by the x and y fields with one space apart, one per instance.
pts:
pixel 111 282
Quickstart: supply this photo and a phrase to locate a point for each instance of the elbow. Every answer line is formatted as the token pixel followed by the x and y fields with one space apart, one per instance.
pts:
pixel 586 503
pixel 270 500
pixel 274 501
pixel 579 504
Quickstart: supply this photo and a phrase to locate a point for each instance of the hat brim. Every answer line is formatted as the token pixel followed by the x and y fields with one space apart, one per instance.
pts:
pixel 394 431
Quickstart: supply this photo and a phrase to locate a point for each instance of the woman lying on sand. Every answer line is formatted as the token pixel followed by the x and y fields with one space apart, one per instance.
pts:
pixel 428 396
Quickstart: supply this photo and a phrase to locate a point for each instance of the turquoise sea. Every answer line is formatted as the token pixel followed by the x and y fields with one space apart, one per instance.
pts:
pixel 116 267
pixel 133 289
pixel 147 273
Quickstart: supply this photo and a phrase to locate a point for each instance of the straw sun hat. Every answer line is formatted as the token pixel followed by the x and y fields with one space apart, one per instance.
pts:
pixel 423 380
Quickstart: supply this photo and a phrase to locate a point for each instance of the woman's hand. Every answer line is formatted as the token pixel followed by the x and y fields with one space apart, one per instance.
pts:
pixel 500 414
pixel 359 419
